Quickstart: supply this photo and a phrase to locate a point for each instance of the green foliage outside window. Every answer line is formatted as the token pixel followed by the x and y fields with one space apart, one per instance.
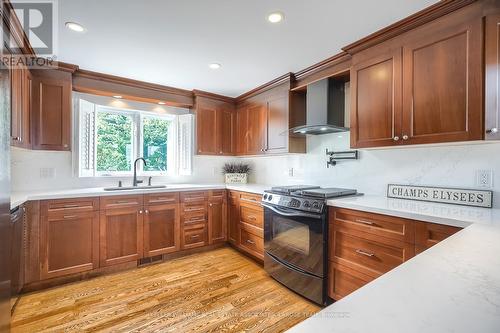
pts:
pixel 155 134
pixel 114 142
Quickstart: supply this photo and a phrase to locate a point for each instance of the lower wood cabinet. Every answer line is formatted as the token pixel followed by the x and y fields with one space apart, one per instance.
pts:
pixel 161 229
pixel 194 236
pixel 217 218
pixel 233 219
pixel 121 235
pixel 69 243
pixel 363 246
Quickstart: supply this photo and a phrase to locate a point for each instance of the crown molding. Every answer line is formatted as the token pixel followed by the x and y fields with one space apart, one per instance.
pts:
pixel 206 94
pixel 411 22
pixel 287 78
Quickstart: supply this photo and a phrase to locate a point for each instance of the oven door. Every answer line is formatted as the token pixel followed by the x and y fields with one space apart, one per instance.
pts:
pixel 295 238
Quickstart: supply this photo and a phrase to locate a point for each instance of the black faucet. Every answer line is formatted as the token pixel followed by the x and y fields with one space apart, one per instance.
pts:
pixel 135 182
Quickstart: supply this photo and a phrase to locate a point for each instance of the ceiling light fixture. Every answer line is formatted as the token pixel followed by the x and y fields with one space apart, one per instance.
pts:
pixel 117 96
pixel 75 26
pixel 215 65
pixel 276 17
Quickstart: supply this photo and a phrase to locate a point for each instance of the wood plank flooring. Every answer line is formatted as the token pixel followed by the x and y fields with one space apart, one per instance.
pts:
pixel 216 291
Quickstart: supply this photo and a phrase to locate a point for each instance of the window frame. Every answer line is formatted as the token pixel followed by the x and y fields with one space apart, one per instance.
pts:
pixel 137 117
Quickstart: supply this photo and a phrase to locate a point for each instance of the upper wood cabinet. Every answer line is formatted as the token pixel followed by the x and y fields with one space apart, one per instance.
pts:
pixel 265 118
pixel 51 110
pixel 492 68
pixel 20 107
pixel 215 125
pixel 424 86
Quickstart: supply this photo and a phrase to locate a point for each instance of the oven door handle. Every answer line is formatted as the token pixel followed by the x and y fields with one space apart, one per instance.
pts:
pixel 292 214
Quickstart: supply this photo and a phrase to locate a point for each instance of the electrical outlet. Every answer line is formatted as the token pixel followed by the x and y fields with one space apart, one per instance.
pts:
pixel 47 173
pixel 484 178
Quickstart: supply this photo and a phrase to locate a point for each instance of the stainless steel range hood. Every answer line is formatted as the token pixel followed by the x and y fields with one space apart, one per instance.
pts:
pixel 326 108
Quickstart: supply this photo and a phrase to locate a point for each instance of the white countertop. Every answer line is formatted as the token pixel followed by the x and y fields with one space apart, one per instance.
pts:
pixel 18 198
pixel 452 287
pixel 454 215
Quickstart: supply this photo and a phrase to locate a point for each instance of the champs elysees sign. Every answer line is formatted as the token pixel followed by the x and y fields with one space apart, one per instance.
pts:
pixel 465 197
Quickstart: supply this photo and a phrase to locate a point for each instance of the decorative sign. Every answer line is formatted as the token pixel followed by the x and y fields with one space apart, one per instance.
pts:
pixel 476 198
pixel 236 178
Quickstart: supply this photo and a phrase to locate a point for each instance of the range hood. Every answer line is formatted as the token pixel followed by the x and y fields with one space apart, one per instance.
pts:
pixel 326 104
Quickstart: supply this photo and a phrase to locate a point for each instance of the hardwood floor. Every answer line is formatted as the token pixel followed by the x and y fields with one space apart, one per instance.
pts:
pixel 216 291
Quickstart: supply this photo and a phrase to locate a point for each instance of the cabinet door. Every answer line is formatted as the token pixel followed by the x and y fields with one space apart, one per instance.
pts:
pixel 69 243
pixel 16 100
pixel 121 235
pixel 277 125
pixel 217 221
pixel 225 130
pixel 233 220
pixel 429 234
pixel 442 98
pixel 241 130
pixel 161 229
pixel 492 67
pixel 257 129
pixel 206 129
pixel 376 100
pixel 26 111
pixel 51 111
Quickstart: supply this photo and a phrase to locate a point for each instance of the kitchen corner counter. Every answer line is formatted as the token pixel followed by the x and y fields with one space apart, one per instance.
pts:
pixel 447 214
pixel 452 287
pixel 18 198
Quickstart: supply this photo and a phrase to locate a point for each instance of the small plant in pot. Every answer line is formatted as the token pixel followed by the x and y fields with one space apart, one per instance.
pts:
pixel 236 173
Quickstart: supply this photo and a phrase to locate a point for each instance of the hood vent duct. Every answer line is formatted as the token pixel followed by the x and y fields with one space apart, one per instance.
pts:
pixel 326 103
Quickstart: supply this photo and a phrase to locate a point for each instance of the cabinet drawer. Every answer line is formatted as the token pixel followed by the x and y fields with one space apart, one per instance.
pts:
pixel 194 218
pixel 121 201
pixel 194 236
pixel 364 253
pixel 194 208
pixel 343 280
pixel 217 194
pixel 429 234
pixel 69 205
pixel 234 195
pixel 381 225
pixel 161 198
pixel 195 196
pixel 250 200
pixel 252 216
pixel 251 242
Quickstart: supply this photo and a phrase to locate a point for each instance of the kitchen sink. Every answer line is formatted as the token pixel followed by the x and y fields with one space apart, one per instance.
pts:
pixel 128 188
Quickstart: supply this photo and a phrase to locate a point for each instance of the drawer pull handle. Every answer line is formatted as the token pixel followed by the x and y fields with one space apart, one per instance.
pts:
pixel 249 200
pixel 195 221
pixel 195 236
pixel 250 241
pixel 364 253
pixel 195 199
pixel 68 217
pixel 251 217
pixel 123 202
pixel 164 199
pixel 193 209
pixel 365 222
pixel 70 206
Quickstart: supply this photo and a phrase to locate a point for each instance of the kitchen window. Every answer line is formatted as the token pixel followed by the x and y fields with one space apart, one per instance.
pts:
pixel 111 138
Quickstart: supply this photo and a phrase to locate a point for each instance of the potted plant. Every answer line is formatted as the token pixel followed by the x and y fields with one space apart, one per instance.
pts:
pixel 236 173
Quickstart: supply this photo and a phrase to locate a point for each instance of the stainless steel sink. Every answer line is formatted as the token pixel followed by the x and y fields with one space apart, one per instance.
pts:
pixel 128 188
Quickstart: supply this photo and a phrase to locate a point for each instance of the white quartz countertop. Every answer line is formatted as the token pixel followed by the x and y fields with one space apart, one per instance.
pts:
pixel 452 287
pixel 454 215
pixel 18 198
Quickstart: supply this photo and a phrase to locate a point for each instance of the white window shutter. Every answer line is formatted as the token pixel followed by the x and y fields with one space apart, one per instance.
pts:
pixel 86 138
pixel 185 144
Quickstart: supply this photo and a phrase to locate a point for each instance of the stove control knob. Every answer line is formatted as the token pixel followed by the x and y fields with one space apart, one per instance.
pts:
pixel 270 197
pixel 315 204
pixel 306 204
pixel 265 196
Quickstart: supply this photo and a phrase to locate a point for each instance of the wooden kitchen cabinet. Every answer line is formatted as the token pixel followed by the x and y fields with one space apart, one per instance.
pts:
pixel 69 241
pixel 20 107
pixel 51 110
pixel 233 218
pixel 423 86
pixel 215 125
pixel 121 230
pixel 277 124
pixel 492 76
pixel 194 219
pixel 161 229
pixel 241 129
pixel 429 234
pixel 256 129
pixel 217 217
pixel 343 280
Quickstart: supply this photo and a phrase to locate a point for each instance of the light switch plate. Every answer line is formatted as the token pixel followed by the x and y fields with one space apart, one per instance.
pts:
pixel 484 178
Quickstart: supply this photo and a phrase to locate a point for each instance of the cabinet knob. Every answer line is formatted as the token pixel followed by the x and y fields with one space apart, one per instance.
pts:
pixel 405 137
pixel 147 211
pixel 16 138
pixel 396 138
pixel 494 130
pixel 140 212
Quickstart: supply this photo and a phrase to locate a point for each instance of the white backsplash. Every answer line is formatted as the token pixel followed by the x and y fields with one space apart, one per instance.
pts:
pixel 450 165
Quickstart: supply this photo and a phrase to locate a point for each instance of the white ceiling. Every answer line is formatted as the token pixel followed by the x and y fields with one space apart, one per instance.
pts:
pixel 172 42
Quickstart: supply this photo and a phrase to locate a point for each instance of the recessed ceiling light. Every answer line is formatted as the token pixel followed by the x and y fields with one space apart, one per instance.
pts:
pixel 215 65
pixel 161 103
pixel 117 96
pixel 75 26
pixel 276 17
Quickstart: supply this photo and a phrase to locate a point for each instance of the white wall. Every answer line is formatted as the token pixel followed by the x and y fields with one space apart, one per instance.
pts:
pixel 430 165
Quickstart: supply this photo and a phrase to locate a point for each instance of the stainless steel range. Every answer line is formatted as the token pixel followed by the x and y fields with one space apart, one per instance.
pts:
pixel 295 237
